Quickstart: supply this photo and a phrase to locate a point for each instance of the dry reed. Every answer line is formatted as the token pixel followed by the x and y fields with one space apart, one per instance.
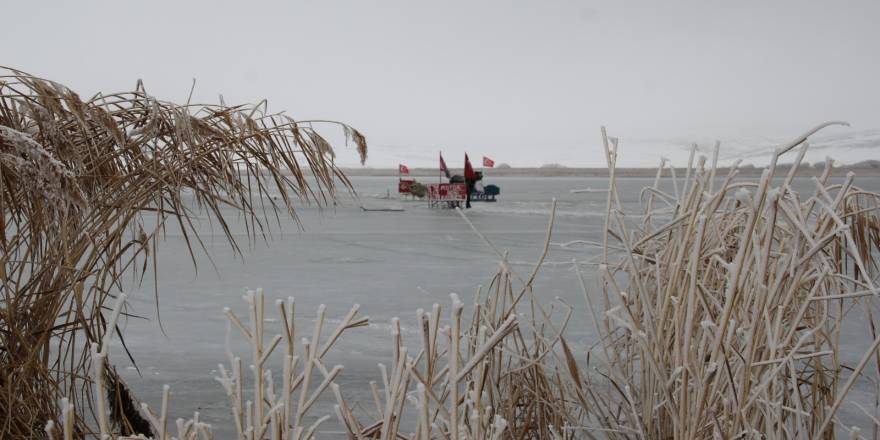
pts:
pixel 87 190
pixel 722 316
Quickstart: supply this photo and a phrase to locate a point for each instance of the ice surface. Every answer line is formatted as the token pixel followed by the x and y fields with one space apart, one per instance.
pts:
pixel 392 263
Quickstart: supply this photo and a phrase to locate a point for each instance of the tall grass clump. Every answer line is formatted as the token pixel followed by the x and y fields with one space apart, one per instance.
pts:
pixel 87 189
pixel 721 304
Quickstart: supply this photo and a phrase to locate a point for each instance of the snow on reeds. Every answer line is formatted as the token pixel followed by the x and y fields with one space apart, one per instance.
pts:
pixel 88 188
pixel 722 317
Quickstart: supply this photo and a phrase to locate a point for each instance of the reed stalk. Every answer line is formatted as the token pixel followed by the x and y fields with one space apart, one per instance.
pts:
pixel 722 320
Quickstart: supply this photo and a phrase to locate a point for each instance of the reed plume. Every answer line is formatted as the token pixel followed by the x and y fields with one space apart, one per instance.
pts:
pixel 87 190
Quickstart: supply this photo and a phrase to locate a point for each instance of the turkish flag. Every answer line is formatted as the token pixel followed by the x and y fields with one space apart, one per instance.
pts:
pixel 488 163
pixel 403 169
pixel 468 169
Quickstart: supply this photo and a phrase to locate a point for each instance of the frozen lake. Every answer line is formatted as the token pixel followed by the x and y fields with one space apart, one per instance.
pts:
pixel 391 263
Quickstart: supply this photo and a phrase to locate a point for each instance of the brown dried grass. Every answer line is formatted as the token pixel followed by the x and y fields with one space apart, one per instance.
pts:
pixel 87 188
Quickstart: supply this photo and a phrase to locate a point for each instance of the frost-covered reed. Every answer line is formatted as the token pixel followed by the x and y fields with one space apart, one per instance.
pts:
pixel 722 315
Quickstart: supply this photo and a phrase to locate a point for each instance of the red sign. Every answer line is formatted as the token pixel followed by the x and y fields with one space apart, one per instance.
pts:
pixel 488 163
pixel 403 169
pixel 403 186
pixel 443 192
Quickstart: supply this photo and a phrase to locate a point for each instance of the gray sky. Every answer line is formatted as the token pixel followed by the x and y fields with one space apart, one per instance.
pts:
pixel 522 82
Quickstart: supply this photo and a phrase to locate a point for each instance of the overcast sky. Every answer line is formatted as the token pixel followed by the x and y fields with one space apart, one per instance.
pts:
pixel 522 82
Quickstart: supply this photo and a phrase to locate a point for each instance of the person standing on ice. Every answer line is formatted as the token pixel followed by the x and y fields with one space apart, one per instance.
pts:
pixel 470 179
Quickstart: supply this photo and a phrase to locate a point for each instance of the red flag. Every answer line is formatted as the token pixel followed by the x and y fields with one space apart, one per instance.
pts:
pixel 488 163
pixel 443 166
pixel 468 169
pixel 402 169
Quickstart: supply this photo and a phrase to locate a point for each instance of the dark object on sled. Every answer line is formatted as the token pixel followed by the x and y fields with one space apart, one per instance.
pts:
pixel 411 187
pixel 487 195
pixel 418 190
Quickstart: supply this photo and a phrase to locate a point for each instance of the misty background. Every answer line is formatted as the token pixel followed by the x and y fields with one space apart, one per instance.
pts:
pixel 525 83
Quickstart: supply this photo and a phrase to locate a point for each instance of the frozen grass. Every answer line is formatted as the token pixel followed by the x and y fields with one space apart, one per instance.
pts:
pixel 722 316
pixel 719 310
